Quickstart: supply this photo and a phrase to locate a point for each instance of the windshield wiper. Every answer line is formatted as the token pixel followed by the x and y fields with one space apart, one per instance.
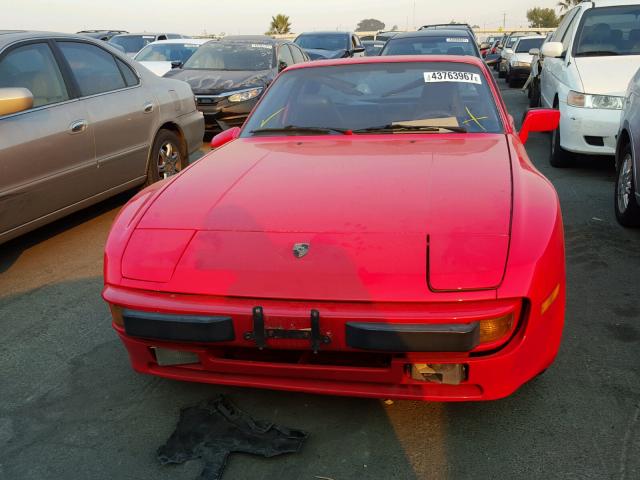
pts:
pixel 296 129
pixel 598 53
pixel 399 127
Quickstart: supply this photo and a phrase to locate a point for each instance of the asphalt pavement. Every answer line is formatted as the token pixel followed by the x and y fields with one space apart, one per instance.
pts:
pixel 72 408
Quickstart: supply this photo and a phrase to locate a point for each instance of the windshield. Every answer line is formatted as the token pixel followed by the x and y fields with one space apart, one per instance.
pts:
pixel 512 41
pixel 525 45
pixel 365 96
pixel 232 56
pixel 167 52
pixel 322 42
pixel 430 46
pixel 609 31
pixel 133 43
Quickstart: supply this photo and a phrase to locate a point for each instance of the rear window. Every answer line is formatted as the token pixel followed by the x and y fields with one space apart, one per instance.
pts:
pixel 362 96
pixel 609 31
pixel 525 45
pixel 323 42
pixel 448 45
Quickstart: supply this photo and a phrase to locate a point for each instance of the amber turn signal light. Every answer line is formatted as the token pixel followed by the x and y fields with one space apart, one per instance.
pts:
pixel 495 329
pixel 116 314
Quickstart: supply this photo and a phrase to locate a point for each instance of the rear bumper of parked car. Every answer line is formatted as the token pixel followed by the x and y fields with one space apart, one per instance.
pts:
pixel 589 131
pixel 192 126
pixel 362 350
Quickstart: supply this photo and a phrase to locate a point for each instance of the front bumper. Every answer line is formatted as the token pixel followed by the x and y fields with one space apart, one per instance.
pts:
pixel 220 114
pixel 589 131
pixel 346 362
pixel 520 72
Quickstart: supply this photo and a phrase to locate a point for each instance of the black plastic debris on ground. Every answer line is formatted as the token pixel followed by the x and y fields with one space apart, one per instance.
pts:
pixel 214 430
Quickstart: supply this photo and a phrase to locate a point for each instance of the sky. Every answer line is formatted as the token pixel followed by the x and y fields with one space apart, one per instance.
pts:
pixel 195 17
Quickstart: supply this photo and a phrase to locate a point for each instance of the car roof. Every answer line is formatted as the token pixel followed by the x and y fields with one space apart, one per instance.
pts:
pixel 145 34
pixel 530 37
pixel 433 32
pixel 607 3
pixel 325 32
pixel 198 41
pixel 468 59
pixel 249 38
pixel 11 36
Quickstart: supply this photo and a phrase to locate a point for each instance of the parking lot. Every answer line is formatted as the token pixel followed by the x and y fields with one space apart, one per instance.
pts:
pixel 71 407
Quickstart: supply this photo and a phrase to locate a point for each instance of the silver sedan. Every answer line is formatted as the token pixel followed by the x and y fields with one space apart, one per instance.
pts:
pixel 79 122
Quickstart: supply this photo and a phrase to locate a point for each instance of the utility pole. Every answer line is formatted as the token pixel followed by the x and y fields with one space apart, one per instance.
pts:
pixel 414 14
pixel 504 20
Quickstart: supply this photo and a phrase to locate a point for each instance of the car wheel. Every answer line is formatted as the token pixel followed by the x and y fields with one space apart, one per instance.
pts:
pixel 166 158
pixel 559 158
pixel 626 203
pixel 513 82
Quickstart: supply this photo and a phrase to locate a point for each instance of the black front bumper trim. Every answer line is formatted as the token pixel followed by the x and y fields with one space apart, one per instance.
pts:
pixel 413 338
pixel 179 328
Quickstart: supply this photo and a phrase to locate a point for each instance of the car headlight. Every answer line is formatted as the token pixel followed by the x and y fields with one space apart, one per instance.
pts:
pixel 520 64
pixel 245 95
pixel 605 102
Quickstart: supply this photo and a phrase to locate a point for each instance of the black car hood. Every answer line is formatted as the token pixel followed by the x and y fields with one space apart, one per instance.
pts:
pixel 317 54
pixel 213 82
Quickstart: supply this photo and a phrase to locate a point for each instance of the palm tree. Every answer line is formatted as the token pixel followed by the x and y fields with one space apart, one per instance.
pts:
pixel 280 24
pixel 565 5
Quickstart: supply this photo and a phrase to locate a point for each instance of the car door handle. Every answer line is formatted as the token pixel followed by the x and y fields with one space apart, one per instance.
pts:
pixel 78 126
pixel 148 107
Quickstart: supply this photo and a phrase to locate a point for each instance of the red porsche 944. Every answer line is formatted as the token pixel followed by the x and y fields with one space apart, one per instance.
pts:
pixel 374 229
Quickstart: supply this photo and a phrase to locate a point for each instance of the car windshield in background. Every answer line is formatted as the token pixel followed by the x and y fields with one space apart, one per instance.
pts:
pixel 430 46
pixel 167 52
pixel 609 31
pixel 511 42
pixel 433 97
pixel 133 43
pixel 322 42
pixel 232 56
pixel 525 45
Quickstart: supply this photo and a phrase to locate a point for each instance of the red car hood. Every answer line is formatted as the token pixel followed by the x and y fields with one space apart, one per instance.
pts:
pixel 385 219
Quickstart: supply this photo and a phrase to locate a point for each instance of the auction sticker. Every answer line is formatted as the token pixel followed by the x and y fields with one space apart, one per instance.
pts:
pixel 462 77
pixel 457 40
pixel 261 45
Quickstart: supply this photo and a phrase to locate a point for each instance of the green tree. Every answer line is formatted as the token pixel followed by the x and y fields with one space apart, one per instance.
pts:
pixel 542 18
pixel 370 25
pixel 566 5
pixel 280 25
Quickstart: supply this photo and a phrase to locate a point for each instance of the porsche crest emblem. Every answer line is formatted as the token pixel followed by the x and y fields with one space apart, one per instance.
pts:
pixel 300 250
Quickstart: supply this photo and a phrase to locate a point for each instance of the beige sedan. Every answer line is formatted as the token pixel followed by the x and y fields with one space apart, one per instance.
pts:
pixel 80 122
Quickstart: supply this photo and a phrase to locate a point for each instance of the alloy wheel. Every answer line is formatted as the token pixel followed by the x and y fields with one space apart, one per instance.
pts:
pixel 625 183
pixel 168 160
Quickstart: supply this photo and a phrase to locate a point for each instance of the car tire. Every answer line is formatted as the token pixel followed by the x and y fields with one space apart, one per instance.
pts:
pixel 166 157
pixel 625 201
pixel 559 158
pixel 513 82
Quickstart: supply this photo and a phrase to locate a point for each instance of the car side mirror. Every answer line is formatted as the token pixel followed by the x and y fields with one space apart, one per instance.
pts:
pixel 552 49
pixel 176 64
pixel 282 66
pixel 225 137
pixel 539 120
pixel 358 50
pixel 14 100
pixel 534 51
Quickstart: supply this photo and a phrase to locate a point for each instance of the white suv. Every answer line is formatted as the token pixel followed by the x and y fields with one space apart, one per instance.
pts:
pixel 587 66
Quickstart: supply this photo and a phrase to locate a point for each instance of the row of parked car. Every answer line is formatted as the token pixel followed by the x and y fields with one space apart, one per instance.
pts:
pixel 93 121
